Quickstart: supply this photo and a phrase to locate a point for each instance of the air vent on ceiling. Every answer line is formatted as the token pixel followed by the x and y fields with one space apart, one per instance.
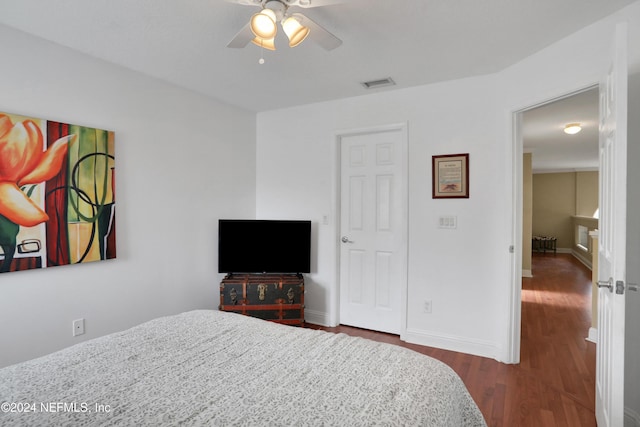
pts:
pixel 374 84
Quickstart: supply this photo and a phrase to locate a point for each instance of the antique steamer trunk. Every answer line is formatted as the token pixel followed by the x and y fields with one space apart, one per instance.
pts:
pixel 275 297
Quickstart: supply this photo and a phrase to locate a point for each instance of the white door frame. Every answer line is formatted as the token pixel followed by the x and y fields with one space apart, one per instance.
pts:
pixel 334 314
pixel 515 290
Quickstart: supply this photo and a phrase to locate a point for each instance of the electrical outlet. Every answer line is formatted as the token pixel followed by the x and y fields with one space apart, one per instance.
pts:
pixel 427 306
pixel 78 327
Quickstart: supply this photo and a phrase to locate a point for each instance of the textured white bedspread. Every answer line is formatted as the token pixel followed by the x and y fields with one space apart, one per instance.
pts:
pixel 209 368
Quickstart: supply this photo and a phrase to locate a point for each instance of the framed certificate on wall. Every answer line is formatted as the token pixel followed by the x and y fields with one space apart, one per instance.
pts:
pixel 450 176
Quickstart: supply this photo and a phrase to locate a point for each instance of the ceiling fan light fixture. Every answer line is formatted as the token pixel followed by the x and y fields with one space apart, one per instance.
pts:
pixel 263 24
pixel 295 31
pixel 572 128
pixel 265 43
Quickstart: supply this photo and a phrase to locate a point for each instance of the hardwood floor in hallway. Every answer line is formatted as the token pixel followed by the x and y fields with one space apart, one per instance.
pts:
pixel 554 385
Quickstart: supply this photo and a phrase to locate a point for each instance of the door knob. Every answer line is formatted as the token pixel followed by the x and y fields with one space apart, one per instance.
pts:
pixel 606 284
pixel 345 239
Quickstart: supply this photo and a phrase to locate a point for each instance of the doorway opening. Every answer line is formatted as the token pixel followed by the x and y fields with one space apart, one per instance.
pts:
pixel 559 164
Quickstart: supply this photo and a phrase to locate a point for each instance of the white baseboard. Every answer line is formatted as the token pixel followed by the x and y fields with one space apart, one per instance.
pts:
pixel 631 418
pixel 583 259
pixel 453 343
pixel 317 318
pixel 527 273
pixel 550 251
pixel 593 335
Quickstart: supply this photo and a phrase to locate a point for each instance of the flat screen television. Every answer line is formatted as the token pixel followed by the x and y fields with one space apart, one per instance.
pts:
pixel 264 246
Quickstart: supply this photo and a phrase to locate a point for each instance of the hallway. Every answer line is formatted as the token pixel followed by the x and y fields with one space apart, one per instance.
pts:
pixel 556 316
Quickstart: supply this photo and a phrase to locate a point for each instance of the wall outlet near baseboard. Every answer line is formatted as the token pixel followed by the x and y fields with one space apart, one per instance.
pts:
pixel 78 327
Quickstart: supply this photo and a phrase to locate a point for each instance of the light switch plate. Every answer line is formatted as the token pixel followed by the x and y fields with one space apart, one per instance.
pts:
pixel 448 221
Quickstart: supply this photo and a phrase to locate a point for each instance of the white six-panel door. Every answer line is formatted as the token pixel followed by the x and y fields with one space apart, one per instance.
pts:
pixel 373 229
pixel 612 240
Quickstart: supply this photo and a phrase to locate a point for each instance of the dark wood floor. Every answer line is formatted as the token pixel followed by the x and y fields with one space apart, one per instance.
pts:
pixel 554 384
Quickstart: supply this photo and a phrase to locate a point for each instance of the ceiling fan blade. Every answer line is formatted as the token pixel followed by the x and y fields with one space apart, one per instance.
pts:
pixel 246 2
pixel 318 33
pixel 243 37
pixel 288 3
pixel 309 3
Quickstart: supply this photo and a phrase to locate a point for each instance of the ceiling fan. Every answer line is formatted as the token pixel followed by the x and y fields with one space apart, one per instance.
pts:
pixel 261 29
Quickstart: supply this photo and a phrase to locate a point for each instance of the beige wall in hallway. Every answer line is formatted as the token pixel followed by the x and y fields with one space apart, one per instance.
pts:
pixel 557 197
pixel 554 203
pixel 586 193
pixel 527 197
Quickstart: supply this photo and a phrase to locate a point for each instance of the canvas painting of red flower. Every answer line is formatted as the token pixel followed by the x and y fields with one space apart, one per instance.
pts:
pixel 57 193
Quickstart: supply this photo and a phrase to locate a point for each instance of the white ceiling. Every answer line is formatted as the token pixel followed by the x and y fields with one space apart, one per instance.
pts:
pixel 414 42
pixel 552 149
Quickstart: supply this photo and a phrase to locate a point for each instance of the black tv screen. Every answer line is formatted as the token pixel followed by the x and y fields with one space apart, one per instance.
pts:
pixel 264 246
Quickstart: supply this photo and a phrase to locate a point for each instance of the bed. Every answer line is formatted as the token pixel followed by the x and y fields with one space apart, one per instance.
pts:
pixel 210 368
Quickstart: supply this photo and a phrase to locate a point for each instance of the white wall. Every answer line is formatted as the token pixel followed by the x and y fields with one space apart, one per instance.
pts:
pixel 297 147
pixel 182 160
pixel 468 272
